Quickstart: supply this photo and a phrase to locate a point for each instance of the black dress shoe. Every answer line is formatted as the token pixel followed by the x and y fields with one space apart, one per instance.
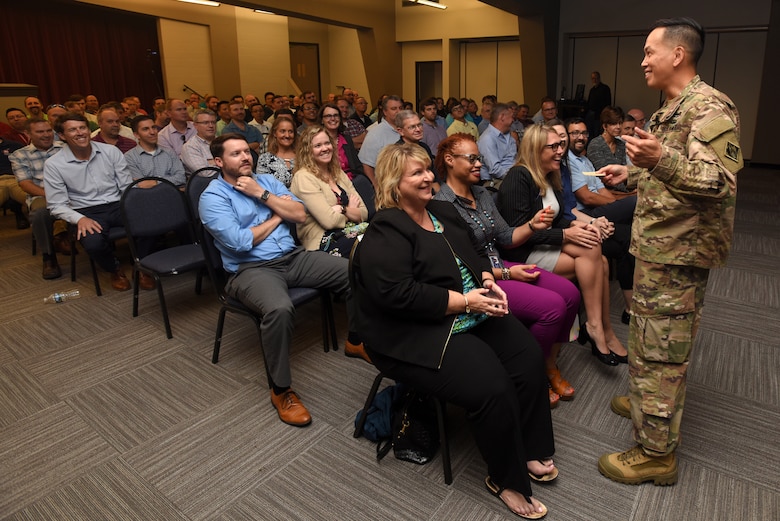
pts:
pixel 625 317
pixel 608 359
pixel 621 359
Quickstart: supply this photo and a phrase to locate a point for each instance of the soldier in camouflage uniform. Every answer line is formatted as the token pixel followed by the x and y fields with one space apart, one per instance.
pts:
pixel 685 172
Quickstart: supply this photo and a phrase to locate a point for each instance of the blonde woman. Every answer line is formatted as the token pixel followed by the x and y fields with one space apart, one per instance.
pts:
pixel 335 213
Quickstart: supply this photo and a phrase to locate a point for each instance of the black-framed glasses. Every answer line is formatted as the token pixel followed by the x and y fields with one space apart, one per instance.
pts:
pixel 55 106
pixel 555 146
pixel 471 158
pixel 578 133
pixel 331 116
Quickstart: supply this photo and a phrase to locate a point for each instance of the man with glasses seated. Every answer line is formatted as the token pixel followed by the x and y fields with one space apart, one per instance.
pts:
pixel 310 116
pixel 195 153
pixel 497 146
pixel 410 127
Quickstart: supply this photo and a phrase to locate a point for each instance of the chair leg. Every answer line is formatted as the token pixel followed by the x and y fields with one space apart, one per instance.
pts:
pixel 218 336
pixel 199 282
pixel 325 298
pixel 441 408
pixel 95 277
pixel 369 400
pixel 163 307
pixel 334 341
pixel 136 291
pixel 34 245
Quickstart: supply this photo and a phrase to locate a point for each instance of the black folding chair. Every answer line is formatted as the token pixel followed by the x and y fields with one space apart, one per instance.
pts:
pixel 153 213
pixel 197 183
pixel 114 234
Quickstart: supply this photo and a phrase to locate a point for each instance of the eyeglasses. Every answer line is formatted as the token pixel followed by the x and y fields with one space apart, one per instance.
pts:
pixel 471 158
pixel 210 122
pixel 555 146
pixel 578 133
pixel 331 116
pixel 415 127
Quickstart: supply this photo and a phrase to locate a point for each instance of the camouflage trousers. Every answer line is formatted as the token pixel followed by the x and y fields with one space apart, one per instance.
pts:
pixel 666 311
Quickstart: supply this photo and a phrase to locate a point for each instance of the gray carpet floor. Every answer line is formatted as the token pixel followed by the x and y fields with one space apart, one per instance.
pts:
pixel 102 417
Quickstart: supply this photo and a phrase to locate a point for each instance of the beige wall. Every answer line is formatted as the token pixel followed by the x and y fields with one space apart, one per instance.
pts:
pixel 413 52
pixel 263 53
pixel 185 51
pixel 346 62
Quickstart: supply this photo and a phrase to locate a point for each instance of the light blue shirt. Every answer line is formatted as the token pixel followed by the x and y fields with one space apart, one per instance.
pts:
pixel 160 163
pixel 71 184
pixel 228 215
pixel 498 151
pixel 379 136
pixel 578 165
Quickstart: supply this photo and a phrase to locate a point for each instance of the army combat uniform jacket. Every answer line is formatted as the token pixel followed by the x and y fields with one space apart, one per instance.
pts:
pixel 685 204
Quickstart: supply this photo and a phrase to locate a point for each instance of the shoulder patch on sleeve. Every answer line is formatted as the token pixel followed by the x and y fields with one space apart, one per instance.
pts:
pixel 714 128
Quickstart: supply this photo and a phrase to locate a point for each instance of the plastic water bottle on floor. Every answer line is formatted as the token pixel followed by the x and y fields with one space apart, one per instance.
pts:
pixel 57 298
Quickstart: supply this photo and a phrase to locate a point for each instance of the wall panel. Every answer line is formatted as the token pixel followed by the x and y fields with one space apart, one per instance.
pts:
pixel 185 49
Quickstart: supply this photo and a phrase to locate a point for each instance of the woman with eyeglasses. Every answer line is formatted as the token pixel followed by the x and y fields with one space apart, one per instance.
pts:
pixel 335 213
pixel 279 160
pixel 433 317
pixel 546 303
pixel 569 248
pixel 331 120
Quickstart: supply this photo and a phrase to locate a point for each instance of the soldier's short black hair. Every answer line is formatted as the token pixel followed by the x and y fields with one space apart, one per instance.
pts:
pixel 683 31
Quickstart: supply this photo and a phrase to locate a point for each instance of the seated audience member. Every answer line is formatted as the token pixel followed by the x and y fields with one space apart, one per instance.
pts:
pixel 83 184
pixel 196 152
pixel 124 131
pixel 109 130
pixel 569 248
pixel 607 148
pixel 158 103
pixel 91 105
pixel 34 107
pixel 349 96
pixel 335 213
pixel 268 105
pixel 460 124
pixel 248 214
pixel 332 120
pixel 595 201
pixel 360 114
pixel 133 108
pixel 50 235
pixel 161 118
pixel 310 97
pixel 277 104
pixel 546 303
pixel 149 160
pixel 352 127
pixel 434 131
pixel 279 159
pixel 639 118
pixel 258 121
pixel 627 129
pixel 12 197
pixel 16 120
pixel 179 130
pixel 53 113
pixel 76 105
pixel 410 128
pixel 484 119
pixel 308 113
pixel 223 111
pixel 193 104
pixel 547 112
pixel 523 112
pixel 433 317
pixel 441 108
pixel 379 135
pixel 473 111
pixel 497 146
pixel 238 125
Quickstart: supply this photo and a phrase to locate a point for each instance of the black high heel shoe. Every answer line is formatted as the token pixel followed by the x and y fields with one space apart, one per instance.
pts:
pixel 608 359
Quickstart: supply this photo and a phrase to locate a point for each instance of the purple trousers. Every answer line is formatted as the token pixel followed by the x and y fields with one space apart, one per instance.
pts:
pixel 547 307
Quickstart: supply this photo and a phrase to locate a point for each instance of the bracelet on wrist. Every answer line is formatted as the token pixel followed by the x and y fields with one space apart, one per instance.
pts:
pixel 468 309
pixel 530 226
pixel 506 274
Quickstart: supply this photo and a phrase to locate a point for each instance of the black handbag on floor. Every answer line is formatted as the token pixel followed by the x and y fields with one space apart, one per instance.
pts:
pixel 415 430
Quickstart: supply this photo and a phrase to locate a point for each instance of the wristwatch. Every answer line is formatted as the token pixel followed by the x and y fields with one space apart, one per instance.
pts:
pixel 265 196
pixel 506 274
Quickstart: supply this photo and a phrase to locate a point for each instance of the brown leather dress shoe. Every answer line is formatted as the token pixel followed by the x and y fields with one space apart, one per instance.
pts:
pixel 146 282
pixel 119 281
pixel 290 409
pixel 356 351
pixel 51 270
pixel 62 244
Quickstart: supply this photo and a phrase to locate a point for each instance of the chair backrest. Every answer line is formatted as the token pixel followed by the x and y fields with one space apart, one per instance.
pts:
pixel 196 185
pixel 154 211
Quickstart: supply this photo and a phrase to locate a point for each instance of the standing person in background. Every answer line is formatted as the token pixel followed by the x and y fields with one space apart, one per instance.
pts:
pixel 685 171
pixel 599 97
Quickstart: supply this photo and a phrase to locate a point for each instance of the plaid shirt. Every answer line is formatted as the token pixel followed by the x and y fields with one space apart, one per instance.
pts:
pixel 353 127
pixel 27 163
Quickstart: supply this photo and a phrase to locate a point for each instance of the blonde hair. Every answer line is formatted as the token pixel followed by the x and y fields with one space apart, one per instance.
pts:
pixel 390 166
pixel 304 157
pixel 531 149
pixel 273 144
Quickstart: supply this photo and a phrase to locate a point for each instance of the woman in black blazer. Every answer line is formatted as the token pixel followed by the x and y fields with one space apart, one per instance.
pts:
pixel 569 248
pixel 432 316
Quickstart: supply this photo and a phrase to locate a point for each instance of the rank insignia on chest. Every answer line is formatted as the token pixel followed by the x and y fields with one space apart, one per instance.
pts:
pixel 732 151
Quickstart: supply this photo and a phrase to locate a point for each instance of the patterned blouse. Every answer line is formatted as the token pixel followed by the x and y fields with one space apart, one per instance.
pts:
pixel 281 169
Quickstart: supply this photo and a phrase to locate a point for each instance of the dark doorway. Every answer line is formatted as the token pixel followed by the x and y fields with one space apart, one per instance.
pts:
pixel 305 66
pixel 428 81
